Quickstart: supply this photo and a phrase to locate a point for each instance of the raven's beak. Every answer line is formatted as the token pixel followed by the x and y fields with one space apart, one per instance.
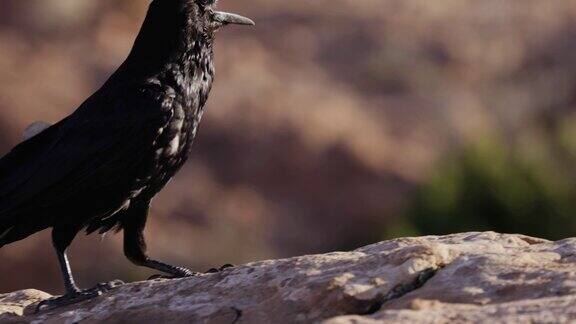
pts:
pixel 226 18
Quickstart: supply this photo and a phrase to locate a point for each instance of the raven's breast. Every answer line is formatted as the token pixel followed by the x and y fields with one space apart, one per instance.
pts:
pixel 171 149
pixel 190 82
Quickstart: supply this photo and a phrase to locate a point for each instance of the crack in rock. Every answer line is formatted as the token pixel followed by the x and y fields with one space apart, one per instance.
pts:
pixel 238 313
pixel 402 289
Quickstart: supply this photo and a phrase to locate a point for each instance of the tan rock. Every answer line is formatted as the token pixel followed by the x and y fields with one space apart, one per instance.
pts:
pixel 471 277
pixel 14 305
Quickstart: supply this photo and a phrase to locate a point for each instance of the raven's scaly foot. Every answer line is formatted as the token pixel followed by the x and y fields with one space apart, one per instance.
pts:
pixel 180 273
pixel 192 274
pixel 79 296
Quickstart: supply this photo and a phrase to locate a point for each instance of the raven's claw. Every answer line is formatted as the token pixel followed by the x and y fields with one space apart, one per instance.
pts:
pixel 222 268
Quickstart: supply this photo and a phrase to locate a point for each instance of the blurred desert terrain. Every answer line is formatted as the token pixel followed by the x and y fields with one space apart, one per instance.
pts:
pixel 332 124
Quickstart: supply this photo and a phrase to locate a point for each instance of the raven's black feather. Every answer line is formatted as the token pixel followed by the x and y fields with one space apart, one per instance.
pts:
pixel 125 142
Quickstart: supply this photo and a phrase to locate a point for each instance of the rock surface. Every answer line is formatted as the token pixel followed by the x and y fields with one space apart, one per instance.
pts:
pixel 469 277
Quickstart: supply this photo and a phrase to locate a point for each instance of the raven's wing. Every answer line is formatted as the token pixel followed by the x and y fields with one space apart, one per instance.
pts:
pixel 109 134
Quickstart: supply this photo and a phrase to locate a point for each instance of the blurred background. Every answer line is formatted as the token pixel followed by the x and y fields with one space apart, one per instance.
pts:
pixel 331 125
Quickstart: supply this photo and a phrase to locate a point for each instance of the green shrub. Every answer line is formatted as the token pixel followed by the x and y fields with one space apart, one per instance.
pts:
pixel 489 187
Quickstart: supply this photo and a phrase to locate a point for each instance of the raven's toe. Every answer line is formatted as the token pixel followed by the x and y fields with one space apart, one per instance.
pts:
pixel 78 296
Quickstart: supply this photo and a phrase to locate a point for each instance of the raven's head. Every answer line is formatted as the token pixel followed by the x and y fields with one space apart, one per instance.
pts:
pixel 198 14
pixel 215 19
pixel 172 26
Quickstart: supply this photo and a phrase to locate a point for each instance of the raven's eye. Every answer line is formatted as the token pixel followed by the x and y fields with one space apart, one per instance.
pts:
pixel 205 3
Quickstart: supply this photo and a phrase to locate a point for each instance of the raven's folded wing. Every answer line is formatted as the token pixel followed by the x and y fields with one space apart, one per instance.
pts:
pixel 103 141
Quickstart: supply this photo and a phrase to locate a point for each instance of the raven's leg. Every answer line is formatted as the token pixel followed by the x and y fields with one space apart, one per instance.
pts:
pixel 66 271
pixel 61 239
pixel 133 224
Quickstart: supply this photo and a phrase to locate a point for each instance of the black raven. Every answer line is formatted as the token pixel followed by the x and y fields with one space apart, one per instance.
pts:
pixel 99 168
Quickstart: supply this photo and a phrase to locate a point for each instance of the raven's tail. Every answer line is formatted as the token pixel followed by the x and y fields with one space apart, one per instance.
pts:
pixel 4 234
pixel 10 233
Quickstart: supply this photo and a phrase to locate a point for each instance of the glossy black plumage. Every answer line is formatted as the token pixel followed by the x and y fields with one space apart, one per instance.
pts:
pixel 100 167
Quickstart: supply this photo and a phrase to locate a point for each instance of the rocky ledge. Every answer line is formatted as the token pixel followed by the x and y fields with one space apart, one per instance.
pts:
pixel 471 277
